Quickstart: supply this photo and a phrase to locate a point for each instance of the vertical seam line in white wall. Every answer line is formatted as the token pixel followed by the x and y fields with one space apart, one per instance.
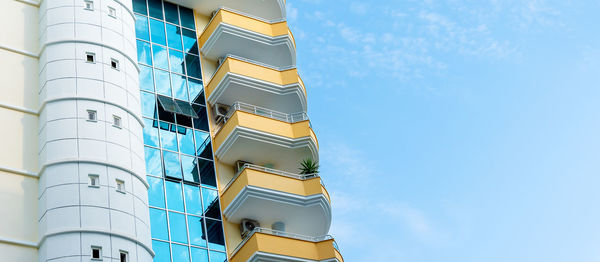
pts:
pixel 18 242
pixel 19 172
pixel 22 52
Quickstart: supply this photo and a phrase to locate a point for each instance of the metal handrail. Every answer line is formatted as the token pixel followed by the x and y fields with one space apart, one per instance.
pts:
pixel 272 171
pixel 261 111
pixel 283 234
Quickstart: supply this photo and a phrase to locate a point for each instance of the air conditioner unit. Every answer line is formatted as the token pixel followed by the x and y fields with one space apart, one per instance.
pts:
pixel 239 165
pixel 247 226
pixel 220 113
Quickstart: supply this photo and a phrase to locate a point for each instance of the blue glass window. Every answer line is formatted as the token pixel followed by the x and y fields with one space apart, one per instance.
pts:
pixel 217 256
pixel 203 148
pixel 148 105
pixel 163 83
pixel 199 255
pixel 202 121
pixel 207 173
pixel 153 161
pixel 190 170
pixel 192 65
pixel 180 253
pixel 157 32
pixel 196 91
pixel 161 59
pixel 187 17
pixel 171 14
pixel 150 133
pixel 146 78
pixel 177 64
pixel 141 27
pixel 190 42
pixel 158 224
pixel 177 227
pixel 210 199
pixel 174 37
pixel 155 9
pixel 139 6
pixel 161 249
pixel 172 166
pixel 193 204
pixel 186 140
pixel 179 87
pixel 144 52
pixel 215 235
pixel 197 234
pixel 174 197
pixel 156 193
pixel 168 139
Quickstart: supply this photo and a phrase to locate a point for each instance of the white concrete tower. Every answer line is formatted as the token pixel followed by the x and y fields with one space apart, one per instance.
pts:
pixel 93 198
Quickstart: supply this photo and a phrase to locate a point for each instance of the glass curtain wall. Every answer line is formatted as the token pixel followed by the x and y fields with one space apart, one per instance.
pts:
pixel 185 216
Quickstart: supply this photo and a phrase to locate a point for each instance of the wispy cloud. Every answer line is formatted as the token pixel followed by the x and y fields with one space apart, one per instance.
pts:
pixel 359 8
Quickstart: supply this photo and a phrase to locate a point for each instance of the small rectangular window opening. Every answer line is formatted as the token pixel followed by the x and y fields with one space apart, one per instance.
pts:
pixel 89 5
pixel 112 12
pixel 123 256
pixel 90 57
pixel 94 180
pixel 120 186
pixel 92 115
pixel 114 63
pixel 116 121
pixel 96 253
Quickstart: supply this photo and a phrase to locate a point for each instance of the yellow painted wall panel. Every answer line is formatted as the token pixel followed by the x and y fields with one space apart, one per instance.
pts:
pixel 18 195
pixel 19 80
pixel 19 28
pixel 18 253
pixel 20 141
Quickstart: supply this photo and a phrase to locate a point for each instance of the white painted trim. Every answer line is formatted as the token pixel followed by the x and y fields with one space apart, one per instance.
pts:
pixel 286 142
pixel 18 51
pixel 97 162
pixel 24 243
pixel 260 256
pixel 120 51
pixel 138 118
pixel 20 109
pixel 265 86
pixel 95 231
pixel 30 2
pixel 19 171
pixel 224 28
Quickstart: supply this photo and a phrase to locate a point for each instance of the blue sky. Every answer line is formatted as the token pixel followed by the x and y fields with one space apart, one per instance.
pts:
pixel 456 130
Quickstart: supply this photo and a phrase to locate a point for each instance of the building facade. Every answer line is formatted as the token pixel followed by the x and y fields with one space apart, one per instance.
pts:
pixel 149 130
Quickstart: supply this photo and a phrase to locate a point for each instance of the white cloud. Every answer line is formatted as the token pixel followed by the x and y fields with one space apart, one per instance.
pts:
pixel 292 12
pixel 359 8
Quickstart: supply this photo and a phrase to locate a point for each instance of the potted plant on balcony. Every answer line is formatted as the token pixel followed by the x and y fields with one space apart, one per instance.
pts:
pixel 308 166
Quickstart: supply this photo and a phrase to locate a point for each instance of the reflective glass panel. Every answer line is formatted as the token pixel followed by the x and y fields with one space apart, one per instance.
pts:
pixel 203 148
pixel 139 6
pixel 168 139
pixel 215 235
pixel 177 227
pixel 161 249
pixel 160 57
pixel 176 60
pixel 157 32
pixel 192 64
pixel 190 170
pixel 141 27
pixel 180 253
pixel 199 255
pixel 144 52
pixel 150 133
pixel 190 42
pixel 196 227
pixel 148 105
pixel 186 140
pixel 146 78
pixel 155 9
pixel 210 199
pixel 172 166
pixel 156 193
pixel 202 121
pixel 193 204
pixel 187 17
pixel 153 161
pixel 174 36
pixel 174 197
pixel 163 83
pixel 171 14
pixel 158 224
pixel 196 91
pixel 217 256
pixel 179 86
pixel 207 173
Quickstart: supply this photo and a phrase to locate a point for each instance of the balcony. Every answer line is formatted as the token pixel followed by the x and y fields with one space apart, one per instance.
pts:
pixel 265 137
pixel 238 79
pixel 232 33
pixel 269 10
pixel 270 245
pixel 266 195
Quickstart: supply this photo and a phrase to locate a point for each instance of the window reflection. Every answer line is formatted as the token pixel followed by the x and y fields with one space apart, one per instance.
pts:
pixel 172 167
pixel 168 138
pixel 163 83
pixel 174 197
pixel 177 227
pixel 146 78
pixel 180 253
pixel 193 204
pixel 186 140
pixel 156 196
pixel 148 105
pixel 187 17
pixel 157 32
pixel 215 235
pixel 158 224
pixel 144 52
pixel 177 65
pixel 139 6
pixel 160 57
pixel 196 91
pixel 203 148
pixel 210 199
pixel 199 255
pixel 153 161
pixel 174 36
pixel 171 15
pixel 150 133
pixel 202 121
pixel 179 87
pixel 217 256
pixel 141 27
pixel 161 249
pixel 192 64
pixel 197 233
pixel 207 173
pixel 190 43
pixel 190 169
pixel 155 9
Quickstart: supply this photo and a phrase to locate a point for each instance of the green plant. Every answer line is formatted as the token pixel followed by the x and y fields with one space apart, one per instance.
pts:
pixel 309 166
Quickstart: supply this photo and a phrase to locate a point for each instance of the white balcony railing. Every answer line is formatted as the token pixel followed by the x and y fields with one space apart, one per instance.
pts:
pixel 261 111
pixel 272 171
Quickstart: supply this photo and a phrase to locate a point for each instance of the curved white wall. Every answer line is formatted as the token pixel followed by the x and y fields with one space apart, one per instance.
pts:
pixel 74 216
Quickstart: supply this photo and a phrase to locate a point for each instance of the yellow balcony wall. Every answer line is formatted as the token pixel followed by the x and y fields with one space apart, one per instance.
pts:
pixel 284 246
